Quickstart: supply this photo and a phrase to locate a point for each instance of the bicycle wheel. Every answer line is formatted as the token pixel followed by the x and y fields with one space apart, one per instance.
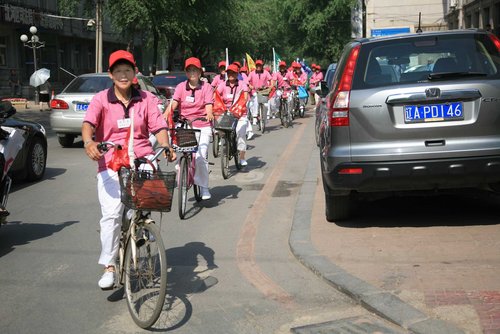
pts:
pixel 262 118
pixel 302 111
pixel 145 274
pixel 224 158
pixel 216 147
pixel 183 186
pixel 285 115
pixel 234 150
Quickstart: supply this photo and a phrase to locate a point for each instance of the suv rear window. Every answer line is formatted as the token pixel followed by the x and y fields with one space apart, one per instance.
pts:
pixel 418 59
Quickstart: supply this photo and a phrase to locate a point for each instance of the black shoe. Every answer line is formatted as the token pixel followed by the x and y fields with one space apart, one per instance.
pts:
pixel 4 213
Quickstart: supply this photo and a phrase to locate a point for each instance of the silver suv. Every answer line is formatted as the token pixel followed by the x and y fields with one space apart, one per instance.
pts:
pixel 411 112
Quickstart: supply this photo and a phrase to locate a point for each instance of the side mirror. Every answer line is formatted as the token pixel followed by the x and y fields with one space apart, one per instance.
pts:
pixel 6 109
pixel 322 89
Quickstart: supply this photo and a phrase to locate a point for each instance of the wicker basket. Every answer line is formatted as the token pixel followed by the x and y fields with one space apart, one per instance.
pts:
pixel 186 137
pixel 147 190
pixel 226 122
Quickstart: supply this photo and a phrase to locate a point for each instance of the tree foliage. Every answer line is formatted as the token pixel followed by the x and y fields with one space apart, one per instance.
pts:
pixel 312 29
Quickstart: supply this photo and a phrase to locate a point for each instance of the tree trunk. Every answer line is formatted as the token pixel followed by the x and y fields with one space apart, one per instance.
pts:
pixel 155 51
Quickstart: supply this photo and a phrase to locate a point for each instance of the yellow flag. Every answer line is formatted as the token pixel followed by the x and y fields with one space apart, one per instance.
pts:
pixel 251 63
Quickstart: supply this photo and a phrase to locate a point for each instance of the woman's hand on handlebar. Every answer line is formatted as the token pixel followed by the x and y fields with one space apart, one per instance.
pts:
pixel 170 154
pixel 93 151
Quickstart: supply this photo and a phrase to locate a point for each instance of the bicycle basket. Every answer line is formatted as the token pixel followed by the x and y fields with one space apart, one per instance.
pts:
pixel 147 190
pixel 185 138
pixel 226 122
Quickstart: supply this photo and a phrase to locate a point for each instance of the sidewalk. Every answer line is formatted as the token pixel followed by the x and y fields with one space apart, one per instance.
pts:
pixel 309 212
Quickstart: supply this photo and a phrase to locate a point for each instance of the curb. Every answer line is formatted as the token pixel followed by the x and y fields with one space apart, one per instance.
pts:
pixel 378 301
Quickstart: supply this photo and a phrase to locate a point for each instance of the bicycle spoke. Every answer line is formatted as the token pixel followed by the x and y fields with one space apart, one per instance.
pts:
pixel 145 275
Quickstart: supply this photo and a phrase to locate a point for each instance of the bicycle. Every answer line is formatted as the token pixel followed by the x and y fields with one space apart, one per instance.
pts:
pixel 226 128
pixel 186 143
pixel 142 266
pixel 262 98
pixel 285 114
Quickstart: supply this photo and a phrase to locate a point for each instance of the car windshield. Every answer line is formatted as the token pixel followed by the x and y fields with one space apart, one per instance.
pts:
pixel 89 84
pixel 169 80
pixel 425 58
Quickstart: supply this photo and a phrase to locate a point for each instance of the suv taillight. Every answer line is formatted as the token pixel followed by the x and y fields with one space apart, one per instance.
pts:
pixel 58 104
pixel 339 110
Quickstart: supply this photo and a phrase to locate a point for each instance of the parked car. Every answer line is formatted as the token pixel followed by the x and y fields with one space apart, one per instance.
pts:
pixel 69 107
pixel 330 72
pixel 30 162
pixel 167 82
pixel 417 131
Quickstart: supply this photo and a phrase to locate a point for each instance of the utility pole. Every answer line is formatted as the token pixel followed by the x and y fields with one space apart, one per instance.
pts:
pixel 98 36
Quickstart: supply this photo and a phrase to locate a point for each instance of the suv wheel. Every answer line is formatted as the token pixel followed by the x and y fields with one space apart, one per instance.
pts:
pixel 66 140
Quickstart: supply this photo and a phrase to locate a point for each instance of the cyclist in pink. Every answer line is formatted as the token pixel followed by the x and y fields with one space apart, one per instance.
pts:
pixel 195 99
pixel 314 81
pixel 230 92
pixel 221 77
pixel 280 82
pixel 258 79
pixel 108 119
pixel 297 77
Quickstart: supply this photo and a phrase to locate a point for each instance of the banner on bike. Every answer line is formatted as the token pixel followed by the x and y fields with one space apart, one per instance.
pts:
pixel 219 105
pixel 239 108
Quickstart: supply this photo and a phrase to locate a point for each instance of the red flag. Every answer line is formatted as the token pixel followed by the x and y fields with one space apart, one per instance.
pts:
pixel 219 105
pixel 239 108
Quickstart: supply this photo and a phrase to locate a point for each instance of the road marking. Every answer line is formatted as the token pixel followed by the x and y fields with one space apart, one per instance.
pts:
pixel 245 250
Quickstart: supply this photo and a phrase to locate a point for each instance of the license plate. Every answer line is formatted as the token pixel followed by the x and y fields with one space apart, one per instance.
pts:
pixel 434 112
pixel 81 107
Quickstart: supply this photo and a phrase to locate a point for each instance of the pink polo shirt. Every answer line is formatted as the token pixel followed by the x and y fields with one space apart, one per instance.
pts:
pixel 315 78
pixel 192 102
pixel 295 80
pixel 217 80
pixel 279 78
pixel 230 94
pixel 258 80
pixel 105 111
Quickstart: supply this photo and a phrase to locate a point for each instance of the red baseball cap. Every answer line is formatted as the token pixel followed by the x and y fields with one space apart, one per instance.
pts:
pixel 318 67
pixel 237 63
pixel 193 61
pixel 244 69
pixel 313 66
pixel 296 65
pixel 121 54
pixel 282 63
pixel 233 68
pixel 259 62
pixel 222 63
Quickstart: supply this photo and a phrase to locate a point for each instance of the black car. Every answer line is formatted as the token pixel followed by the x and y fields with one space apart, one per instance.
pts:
pixel 31 160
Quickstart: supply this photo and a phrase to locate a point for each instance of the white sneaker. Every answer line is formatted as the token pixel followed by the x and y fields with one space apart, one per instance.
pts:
pixel 249 135
pixel 205 194
pixel 107 279
pixel 243 162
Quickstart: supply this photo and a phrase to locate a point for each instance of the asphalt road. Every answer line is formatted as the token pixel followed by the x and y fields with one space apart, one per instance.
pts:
pixel 231 267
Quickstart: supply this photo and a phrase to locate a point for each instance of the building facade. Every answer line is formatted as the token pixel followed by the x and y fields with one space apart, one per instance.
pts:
pixel 481 14
pixel 69 43
pixel 384 17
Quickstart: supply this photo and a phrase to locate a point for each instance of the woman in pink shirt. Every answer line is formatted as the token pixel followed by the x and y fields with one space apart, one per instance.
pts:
pixel 314 80
pixel 230 91
pixel 195 99
pixel 221 77
pixel 257 79
pixel 278 81
pixel 108 119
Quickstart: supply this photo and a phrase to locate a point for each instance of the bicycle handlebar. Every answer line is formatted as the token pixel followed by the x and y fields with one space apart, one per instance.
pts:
pixel 106 145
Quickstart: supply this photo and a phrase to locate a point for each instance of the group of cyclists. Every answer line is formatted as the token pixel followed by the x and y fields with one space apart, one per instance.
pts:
pixel 128 116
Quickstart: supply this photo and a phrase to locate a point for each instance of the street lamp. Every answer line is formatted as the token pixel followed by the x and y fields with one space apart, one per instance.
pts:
pixel 33 43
